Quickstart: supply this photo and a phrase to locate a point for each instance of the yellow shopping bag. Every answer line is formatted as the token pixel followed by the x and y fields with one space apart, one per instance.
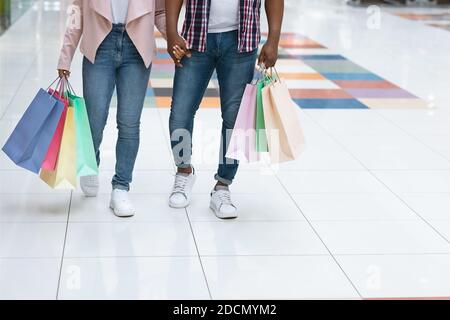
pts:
pixel 65 174
pixel 284 133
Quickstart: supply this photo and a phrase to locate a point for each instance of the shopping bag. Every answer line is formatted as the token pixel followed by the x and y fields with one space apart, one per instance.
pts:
pixel 65 174
pixel 28 144
pixel 53 150
pixel 284 133
pixel 261 139
pixel 242 145
pixel 86 160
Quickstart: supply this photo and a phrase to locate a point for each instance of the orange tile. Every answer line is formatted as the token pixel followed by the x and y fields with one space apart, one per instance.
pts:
pixel 162 61
pixel 301 76
pixel 319 94
pixel 163 102
pixel 207 102
pixel 210 102
pixel 296 43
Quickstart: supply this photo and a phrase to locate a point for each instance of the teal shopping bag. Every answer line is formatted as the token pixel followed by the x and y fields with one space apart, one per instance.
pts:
pixel 86 160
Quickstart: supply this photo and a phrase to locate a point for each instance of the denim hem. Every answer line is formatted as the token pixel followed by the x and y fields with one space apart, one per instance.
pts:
pixel 223 180
pixel 184 166
pixel 120 187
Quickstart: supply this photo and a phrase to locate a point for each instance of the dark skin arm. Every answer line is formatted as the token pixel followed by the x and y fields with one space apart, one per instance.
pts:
pixel 176 45
pixel 269 52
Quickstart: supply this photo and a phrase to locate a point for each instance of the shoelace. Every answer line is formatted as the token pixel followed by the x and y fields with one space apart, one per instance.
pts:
pixel 180 184
pixel 224 197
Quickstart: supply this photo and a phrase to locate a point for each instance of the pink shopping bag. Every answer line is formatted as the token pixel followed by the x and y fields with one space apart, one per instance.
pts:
pixel 51 157
pixel 242 145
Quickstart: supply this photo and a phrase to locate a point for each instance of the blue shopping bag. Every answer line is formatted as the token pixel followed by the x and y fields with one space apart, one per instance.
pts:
pixel 29 142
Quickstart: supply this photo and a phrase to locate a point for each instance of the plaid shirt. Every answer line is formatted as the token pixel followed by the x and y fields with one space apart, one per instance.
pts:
pixel 195 27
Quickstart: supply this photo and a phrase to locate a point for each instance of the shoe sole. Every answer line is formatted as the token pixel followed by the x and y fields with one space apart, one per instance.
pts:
pixel 178 206
pixel 219 215
pixel 119 214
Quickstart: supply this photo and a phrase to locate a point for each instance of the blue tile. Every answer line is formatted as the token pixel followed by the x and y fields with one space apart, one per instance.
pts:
pixel 330 104
pixel 351 76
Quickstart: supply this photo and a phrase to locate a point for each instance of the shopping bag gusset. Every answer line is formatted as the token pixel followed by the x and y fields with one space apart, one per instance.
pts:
pixel 85 154
pixel 261 139
pixel 29 142
pixel 242 144
pixel 65 174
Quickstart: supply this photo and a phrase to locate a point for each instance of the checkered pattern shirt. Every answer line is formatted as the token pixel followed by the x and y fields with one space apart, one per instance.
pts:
pixel 195 27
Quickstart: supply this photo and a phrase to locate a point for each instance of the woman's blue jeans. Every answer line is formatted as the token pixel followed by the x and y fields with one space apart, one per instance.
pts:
pixel 118 65
pixel 234 71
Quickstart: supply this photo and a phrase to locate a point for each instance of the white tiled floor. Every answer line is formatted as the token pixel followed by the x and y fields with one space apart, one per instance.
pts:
pixel 364 213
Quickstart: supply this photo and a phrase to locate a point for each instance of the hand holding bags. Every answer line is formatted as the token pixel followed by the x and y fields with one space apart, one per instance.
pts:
pixel 54 138
pixel 29 142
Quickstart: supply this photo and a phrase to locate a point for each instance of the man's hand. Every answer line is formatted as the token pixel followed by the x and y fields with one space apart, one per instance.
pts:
pixel 269 55
pixel 176 47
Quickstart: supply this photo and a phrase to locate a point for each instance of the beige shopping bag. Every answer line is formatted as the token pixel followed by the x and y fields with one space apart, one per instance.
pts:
pixel 65 175
pixel 284 132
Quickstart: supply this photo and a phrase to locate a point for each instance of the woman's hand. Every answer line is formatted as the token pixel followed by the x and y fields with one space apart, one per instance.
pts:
pixel 63 73
pixel 176 47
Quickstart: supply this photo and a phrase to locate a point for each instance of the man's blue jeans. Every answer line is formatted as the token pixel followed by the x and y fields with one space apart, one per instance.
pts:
pixel 118 65
pixel 234 71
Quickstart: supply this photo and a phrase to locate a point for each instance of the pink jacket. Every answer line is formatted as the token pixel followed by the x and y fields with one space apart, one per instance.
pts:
pixel 91 21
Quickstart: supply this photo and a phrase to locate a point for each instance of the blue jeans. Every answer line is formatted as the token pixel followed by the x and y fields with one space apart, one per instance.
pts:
pixel 118 65
pixel 234 71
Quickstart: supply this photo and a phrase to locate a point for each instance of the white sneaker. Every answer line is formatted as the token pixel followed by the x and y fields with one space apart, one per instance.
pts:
pixel 89 185
pixel 121 203
pixel 221 203
pixel 182 189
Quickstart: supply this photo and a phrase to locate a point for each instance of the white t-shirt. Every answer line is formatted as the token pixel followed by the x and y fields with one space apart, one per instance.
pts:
pixel 119 9
pixel 223 16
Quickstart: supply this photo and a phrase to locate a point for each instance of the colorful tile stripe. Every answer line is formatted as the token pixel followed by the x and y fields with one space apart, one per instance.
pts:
pixel 316 77
pixel 439 20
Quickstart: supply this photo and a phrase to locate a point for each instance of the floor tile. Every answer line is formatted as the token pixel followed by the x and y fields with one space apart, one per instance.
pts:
pixel 129 239
pixel 430 206
pixel 306 277
pixel 393 153
pixel 399 276
pixel 380 237
pixel 353 206
pixel 34 208
pixel 29 279
pixel 133 278
pixel 415 181
pixel 256 238
pixel 330 182
pixel 31 240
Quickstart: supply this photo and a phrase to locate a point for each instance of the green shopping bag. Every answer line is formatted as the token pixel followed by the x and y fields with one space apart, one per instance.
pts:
pixel 261 138
pixel 86 160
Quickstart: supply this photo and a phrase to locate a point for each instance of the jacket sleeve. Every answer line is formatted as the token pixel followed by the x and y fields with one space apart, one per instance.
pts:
pixel 72 36
pixel 160 17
